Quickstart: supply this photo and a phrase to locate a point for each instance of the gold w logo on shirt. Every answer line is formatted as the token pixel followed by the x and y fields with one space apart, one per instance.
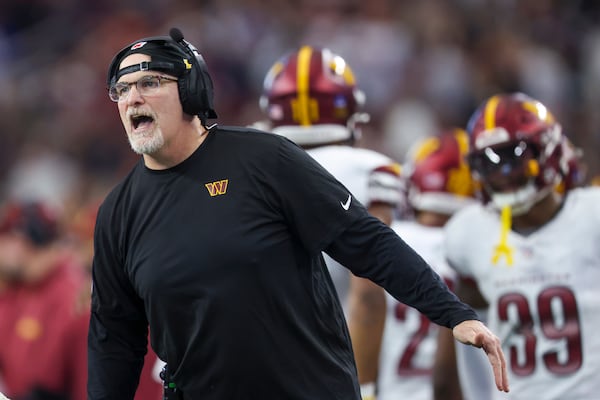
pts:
pixel 216 188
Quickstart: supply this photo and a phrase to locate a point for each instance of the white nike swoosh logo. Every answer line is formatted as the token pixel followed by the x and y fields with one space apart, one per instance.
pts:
pixel 346 205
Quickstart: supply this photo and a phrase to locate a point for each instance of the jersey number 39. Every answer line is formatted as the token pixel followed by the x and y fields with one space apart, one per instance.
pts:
pixel 559 321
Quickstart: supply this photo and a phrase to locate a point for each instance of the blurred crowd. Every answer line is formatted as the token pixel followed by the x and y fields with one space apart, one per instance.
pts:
pixel 421 64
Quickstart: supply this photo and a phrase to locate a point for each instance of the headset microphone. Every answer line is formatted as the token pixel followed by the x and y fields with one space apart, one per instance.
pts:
pixel 176 35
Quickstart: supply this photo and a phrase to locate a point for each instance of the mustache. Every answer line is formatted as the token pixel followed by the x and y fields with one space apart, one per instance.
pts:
pixel 135 112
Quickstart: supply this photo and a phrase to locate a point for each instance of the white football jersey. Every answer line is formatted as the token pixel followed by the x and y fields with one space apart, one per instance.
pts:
pixel 370 176
pixel 474 369
pixel 545 306
pixel 409 339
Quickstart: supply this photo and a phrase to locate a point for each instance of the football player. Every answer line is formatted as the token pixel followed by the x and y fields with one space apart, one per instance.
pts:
pixel 438 183
pixel 531 255
pixel 310 96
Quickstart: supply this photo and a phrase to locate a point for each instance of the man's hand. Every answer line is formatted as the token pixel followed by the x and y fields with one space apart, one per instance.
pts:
pixel 475 333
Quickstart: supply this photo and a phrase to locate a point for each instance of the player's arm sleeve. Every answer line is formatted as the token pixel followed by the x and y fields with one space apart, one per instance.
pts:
pixel 118 329
pixel 372 250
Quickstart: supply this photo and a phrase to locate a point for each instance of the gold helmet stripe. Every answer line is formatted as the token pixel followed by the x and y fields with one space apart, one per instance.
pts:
pixel 302 114
pixel 463 141
pixel 490 112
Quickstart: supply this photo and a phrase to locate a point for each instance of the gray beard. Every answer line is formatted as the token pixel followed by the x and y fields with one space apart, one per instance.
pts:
pixel 147 145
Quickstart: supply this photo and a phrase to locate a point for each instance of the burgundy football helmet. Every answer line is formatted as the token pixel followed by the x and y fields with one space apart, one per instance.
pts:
pixel 437 176
pixel 516 150
pixel 310 96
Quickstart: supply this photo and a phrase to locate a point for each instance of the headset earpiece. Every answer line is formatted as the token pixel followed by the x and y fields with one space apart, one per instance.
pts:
pixel 195 86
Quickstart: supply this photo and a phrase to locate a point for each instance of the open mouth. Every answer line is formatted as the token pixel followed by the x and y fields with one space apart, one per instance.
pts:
pixel 141 121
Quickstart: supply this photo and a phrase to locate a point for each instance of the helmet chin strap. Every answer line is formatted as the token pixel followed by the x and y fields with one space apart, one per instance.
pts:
pixel 503 249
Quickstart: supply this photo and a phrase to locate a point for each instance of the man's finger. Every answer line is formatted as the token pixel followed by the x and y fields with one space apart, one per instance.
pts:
pixel 494 352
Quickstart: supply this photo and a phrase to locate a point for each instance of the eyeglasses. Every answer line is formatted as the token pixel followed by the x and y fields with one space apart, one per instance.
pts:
pixel 147 85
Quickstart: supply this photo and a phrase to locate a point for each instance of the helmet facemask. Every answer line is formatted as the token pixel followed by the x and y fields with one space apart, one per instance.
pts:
pixel 520 173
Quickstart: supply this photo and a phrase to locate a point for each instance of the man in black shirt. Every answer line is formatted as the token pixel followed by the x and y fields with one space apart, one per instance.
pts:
pixel 214 242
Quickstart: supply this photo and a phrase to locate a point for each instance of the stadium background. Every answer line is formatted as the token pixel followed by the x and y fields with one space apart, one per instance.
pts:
pixel 422 64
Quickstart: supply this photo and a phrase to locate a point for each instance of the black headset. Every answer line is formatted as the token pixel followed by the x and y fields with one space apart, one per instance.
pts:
pixel 195 85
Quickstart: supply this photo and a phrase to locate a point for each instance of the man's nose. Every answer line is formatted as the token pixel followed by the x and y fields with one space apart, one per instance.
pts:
pixel 134 96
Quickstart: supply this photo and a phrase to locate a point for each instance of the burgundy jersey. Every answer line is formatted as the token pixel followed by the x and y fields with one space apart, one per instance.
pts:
pixel 44 335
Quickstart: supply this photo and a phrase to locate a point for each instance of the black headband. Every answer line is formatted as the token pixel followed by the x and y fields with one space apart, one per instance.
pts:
pixel 165 56
pixel 146 66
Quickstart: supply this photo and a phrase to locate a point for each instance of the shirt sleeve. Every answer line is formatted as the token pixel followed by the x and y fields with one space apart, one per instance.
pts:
pixel 117 337
pixel 317 206
pixel 372 250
